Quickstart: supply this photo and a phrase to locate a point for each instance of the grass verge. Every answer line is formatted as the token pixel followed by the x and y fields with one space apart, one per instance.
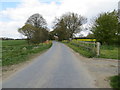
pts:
pixel 106 51
pixel 110 52
pixel 115 82
pixel 80 50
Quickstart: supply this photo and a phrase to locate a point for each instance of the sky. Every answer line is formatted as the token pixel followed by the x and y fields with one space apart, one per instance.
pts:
pixel 14 13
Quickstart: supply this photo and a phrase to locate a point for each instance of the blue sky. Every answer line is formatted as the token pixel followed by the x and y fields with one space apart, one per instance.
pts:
pixel 49 1
pixel 7 5
pixel 4 4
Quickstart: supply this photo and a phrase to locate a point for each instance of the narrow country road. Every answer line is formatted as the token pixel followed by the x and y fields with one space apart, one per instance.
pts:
pixel 56 68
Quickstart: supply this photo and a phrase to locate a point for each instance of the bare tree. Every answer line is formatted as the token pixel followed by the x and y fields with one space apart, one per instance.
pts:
pixel 37 20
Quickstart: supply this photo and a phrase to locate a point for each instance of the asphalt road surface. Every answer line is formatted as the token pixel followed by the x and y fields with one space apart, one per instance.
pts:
pixel 56 68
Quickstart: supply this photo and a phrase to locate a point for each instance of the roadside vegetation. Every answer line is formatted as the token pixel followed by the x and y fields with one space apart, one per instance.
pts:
pixel 89 50
pixel 16 51
pixel 115 82
pixel 84 49
pixel 109 51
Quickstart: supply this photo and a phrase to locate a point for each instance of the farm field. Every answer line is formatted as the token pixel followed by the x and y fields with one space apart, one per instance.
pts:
pixel 13 42
pixel 110 52
pixel 16 51
pixel 106 51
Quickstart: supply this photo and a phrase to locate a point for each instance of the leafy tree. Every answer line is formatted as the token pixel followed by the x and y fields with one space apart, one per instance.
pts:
pixel 27 30
pixel 118 38
pixel 105 28
pixel 69 24
pixel 73 22
pixel 90 35
pixel 35 29
pixel 61 31
pixel 40 35
pixel 51 35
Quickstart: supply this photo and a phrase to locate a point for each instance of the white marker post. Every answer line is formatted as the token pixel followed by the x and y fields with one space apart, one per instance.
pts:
pixel 98 48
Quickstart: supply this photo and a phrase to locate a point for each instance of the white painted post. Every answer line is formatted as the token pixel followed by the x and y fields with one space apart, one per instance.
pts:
pixel 98 48
pixel 94 45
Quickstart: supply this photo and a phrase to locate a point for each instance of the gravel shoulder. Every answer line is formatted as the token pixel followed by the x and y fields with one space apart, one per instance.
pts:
pixel 100 69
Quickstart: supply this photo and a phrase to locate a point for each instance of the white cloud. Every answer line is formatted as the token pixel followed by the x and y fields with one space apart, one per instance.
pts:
pixel 19 15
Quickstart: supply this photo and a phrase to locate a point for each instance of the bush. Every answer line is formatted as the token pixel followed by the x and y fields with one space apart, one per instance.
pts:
pixel 115 81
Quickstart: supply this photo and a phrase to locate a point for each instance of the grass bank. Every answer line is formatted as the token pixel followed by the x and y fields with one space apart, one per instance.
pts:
pixel 106 51
pixel 16 51
pixel 81 50
pixel 115 82
pixel 109 51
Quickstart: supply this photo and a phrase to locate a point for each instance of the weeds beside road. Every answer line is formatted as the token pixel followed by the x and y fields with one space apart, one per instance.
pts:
pixel 16 51
pixel 115 81
pixel 106 51
pixel 109 51
pixel 81 50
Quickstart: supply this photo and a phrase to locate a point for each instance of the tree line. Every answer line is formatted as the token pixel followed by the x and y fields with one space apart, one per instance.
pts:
pixel 105 28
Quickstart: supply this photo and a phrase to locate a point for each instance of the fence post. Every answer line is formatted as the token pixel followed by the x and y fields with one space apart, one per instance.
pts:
pixel 98 48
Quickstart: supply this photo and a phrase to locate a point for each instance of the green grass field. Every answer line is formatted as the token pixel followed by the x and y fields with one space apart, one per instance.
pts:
pixel 110 52
pixel 82 51
pixel 13 42
pixel 16 51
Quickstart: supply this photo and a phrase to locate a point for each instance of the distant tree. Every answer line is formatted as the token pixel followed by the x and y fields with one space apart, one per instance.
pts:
pixel 81 35
pixel 73 22
pixel 40 35
pixel 61 31
pixel 37 21
pixel 6 38
pixel 90 35
pixel 68 25
pixel 35 29
pixel 105 28
pixel 51 35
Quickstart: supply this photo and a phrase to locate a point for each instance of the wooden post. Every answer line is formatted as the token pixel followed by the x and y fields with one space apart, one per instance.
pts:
pixel 94 47
pixel 98 48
